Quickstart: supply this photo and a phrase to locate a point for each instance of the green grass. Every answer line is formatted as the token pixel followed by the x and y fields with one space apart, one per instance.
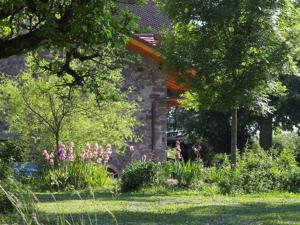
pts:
pixel 171 208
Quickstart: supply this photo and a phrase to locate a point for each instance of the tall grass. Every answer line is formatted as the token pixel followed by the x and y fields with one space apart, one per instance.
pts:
pixel 25 201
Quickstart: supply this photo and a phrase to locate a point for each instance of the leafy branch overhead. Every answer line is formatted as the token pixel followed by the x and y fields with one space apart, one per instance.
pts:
pixel 87 32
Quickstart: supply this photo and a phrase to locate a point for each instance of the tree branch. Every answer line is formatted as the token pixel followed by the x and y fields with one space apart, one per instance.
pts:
pixel 20 44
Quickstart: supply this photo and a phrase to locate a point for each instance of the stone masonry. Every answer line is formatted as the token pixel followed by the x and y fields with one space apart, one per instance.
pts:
pixel 149 85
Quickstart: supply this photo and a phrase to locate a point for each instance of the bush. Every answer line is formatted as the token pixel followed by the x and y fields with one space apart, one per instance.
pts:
pixel 10 151
pixel 78 175
pixel 5 169
pixel 257 171
pixel 292 182
pixel 138 174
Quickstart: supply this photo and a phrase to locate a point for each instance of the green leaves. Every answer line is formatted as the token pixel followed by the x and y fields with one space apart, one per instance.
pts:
pixel 41 110
pixel 238 49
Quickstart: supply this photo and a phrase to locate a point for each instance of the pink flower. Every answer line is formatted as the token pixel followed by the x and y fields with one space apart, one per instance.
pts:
pixel 62 152
pixel 178 150
pixel 197 150
pixel 51 159
pixel 96 150
pixel 71 155
pixel 85 156
pixel 178 155
pixel 46 155
pixel 131 149
pixel 105 158
pixel 144 157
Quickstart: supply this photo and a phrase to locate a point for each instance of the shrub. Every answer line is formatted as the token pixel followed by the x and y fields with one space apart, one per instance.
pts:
pixel 257 171
pixel 138 174
pixel 10 151
pixel 5 169
pixel 292 181
pixel 78 175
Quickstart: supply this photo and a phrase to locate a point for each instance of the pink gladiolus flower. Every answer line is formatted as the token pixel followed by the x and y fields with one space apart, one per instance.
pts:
pixel 144 157
pixel 71 155
pixel 101 150
pixel 178 155
pixel 178 150
pixel 62 152
pixel 105 158
pixel 51 159
pixel 46 155
pixel 96 150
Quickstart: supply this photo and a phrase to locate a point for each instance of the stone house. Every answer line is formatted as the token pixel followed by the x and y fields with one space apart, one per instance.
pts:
pixel 157 89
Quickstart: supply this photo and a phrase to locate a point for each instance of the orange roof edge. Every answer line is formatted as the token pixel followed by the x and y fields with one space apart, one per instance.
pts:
pixel 140 47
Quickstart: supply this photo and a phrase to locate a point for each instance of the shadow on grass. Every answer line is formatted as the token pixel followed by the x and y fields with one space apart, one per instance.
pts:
pixel 143 197
pixel 253 213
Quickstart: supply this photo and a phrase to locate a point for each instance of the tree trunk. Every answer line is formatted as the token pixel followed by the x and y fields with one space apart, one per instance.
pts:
pixel 233 137
pixel 266 132
pixel 57 142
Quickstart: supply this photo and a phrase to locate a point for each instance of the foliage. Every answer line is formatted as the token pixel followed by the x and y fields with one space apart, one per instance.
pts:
pixel 287 113
pixel 183 172
pixel 74 175
pixel 138 174
pixel 231 53
pixel 237 48
pixel 10 151
pixel 257 171
pixel 289 140
pixel 211 129
pixel 77 35
pixel 5 169
pixel 10 191
pixel 41 112
pixel 5 204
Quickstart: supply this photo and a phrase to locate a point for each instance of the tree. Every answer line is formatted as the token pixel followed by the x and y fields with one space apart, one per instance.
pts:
pixel 40 111
pixel 67 33
pixel 286 115
pixel 237 49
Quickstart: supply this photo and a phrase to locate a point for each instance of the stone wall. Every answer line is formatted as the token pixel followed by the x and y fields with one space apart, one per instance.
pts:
pixel 12 65
pixel 149 85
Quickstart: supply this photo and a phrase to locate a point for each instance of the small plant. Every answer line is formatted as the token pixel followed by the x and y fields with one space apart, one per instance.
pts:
pixel 184 172
pixel 138 174
pixel 76 175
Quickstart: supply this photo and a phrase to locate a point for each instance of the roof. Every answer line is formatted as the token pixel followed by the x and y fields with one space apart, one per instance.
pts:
pixel 148 14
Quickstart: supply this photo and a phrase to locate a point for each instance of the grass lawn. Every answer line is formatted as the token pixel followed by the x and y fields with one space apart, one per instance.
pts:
pixel 171 208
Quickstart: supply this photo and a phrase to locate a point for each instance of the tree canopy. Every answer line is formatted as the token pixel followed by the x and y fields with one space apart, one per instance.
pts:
pixel 81 38
pixel 238 49
pixel 40 111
